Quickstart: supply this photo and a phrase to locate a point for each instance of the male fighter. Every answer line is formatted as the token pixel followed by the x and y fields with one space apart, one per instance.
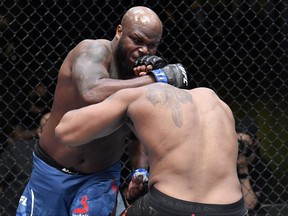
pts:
pixel 190 140
pixel 84 180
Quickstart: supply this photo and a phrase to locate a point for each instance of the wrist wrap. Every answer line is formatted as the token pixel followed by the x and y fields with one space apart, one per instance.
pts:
pixel 160 76
pixel 140 171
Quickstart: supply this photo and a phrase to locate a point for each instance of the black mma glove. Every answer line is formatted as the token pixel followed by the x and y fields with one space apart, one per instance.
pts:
pixel 155 61
pixel 173 74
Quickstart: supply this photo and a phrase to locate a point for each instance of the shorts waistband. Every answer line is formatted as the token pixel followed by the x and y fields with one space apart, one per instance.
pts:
pixel 40 153
pixel 233 209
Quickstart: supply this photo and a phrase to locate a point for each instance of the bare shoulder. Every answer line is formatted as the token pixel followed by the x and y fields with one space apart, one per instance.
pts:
pixel 207 94
pixel 203 90
pixel 128 94
pixel 210 95
pixel 93 47
pixel 91 42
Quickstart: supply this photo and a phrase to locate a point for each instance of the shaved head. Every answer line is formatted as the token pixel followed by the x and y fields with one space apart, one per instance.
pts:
pixel 139 33
pixel 142 16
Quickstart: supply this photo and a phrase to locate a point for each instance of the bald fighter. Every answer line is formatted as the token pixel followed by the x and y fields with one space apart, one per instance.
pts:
pixel 191 143
pixel 84 180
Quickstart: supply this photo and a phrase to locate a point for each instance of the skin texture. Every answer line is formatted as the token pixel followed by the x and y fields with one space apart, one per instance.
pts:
pixel 91 72
pixel 188 135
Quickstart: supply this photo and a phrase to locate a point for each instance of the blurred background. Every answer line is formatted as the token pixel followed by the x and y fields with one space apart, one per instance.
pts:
pixel 237 48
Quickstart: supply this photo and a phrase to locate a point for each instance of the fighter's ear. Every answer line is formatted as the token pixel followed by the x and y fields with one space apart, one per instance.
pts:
pixel 119 31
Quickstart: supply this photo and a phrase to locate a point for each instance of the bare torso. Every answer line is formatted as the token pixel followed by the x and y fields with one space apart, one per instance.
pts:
pixel 98 154
pixel 200 164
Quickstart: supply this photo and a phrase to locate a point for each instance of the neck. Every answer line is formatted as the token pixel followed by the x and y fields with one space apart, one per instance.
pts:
pixel 113 72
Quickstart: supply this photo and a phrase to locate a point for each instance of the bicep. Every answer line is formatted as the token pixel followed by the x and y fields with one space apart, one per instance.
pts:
pixel 89 65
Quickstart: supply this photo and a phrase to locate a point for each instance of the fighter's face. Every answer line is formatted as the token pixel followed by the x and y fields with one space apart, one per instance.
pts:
pixel 124 66
pixel 133 43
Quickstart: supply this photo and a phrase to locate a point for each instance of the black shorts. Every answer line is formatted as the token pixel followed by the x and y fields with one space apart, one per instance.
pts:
pixel 156 203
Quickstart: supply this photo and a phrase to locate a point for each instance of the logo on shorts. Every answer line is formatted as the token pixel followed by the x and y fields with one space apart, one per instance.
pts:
pixel 84 210
pixel 23 200
pixel 114 187
pixel 65 170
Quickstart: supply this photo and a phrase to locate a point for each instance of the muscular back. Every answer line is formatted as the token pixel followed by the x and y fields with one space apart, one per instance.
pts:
pixel 190 141
pixel 188 135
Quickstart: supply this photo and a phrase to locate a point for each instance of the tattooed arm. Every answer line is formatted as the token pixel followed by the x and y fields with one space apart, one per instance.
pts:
pixel 94 72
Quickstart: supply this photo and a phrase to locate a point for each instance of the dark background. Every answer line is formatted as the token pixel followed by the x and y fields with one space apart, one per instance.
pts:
pixel 237 48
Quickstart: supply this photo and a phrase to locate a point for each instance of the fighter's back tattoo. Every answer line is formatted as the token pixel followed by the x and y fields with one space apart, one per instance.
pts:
pixel 173 97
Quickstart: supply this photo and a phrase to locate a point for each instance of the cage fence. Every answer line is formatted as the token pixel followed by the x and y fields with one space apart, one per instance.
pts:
pixel 237 48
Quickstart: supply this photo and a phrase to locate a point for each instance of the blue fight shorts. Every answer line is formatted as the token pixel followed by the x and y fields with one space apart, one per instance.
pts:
pixel 51 192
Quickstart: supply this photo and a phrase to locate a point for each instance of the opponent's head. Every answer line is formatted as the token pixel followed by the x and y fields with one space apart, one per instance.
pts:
pixel 138 34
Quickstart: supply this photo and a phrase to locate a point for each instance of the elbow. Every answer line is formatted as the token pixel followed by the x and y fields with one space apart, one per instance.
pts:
pixel 96 94
pixel 93 98
pixel 60 135
pixel 66 136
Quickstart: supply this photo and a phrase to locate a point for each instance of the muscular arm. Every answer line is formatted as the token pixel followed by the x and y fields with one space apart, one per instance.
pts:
pixel 249 195
pixel 92 61
pixel 137 155
pixel 83 125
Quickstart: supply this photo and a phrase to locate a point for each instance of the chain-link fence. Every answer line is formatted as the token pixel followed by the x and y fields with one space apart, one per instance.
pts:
pixel 238 48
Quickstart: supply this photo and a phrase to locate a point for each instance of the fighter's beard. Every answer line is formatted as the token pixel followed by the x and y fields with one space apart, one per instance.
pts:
pixel 124 70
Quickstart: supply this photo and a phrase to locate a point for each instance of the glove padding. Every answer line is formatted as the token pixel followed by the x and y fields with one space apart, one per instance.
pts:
pixel 155 61
pixel 173 74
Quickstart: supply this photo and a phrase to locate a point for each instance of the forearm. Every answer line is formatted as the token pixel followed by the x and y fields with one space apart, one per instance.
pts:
pixel 249 195
pixel 137 156
pixel 83 125
pixel 106 87
pixel 139 160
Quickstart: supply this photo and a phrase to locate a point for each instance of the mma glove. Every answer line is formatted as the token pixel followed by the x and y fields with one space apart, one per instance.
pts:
pixel 140 172
pixel 155 61
pixel 142 175
pixel 173 74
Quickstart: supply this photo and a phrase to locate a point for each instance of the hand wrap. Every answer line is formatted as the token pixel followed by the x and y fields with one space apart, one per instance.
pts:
pixel 173 74
pixel 140 172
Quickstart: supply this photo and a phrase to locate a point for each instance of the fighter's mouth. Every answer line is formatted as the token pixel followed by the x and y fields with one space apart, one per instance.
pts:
pixel 132 61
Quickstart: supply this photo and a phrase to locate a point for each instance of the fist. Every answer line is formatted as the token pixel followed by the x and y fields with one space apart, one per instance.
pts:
pixel 155 61
pixel 138 185
pixel 146 63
